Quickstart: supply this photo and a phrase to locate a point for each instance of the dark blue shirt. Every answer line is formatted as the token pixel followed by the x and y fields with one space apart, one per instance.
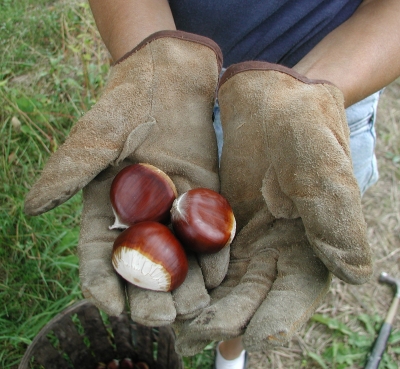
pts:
pixel 276 31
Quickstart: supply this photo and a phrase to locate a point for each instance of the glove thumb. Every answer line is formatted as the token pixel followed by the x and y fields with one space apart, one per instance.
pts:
pixel 91 147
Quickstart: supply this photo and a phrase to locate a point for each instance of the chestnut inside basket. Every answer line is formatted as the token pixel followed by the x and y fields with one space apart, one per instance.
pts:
pixel 81 336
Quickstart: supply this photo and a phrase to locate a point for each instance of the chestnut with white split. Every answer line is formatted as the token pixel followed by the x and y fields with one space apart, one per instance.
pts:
pixel 148 255
pixel 203 220
pixel 141 192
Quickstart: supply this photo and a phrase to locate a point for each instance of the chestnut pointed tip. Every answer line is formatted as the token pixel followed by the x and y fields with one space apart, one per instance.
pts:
pixel 117 223
pixel 178 210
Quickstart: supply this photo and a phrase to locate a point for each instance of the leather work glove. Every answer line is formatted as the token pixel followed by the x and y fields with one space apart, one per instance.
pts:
pixel 156 109
pixel 287 172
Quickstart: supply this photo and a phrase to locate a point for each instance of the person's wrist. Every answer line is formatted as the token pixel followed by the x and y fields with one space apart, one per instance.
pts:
pixel 125 44
pixel 330 74
pixel 124 24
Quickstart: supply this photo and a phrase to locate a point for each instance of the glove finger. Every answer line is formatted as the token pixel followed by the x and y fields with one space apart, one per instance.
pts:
pixel 154 308
pixel 151 308
pixel 236 270
pixel 191 297
pixel 100 283
pixel 214 267
pixel 301 284
pixel 228 317
pixel 314 168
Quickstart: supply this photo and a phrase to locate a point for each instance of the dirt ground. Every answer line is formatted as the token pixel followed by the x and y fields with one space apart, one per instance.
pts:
pixel 382 213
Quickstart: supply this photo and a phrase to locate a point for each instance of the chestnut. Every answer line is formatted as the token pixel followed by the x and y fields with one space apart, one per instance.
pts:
pixel 148 255
pixel 113 364
pixel 203 220
pixel 141 192
pixel 126 364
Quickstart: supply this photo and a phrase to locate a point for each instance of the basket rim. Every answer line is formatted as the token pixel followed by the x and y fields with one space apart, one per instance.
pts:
pixel 47 327
pixel 78 307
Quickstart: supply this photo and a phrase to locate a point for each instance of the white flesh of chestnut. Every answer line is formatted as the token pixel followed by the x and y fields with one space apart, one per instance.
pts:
pixel 140 270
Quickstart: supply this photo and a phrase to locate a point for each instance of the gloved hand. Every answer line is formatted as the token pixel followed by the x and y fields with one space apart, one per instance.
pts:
pixel 287 172
pixel 156 109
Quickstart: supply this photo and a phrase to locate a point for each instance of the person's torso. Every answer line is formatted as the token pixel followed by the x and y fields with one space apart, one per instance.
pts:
pixel 277 31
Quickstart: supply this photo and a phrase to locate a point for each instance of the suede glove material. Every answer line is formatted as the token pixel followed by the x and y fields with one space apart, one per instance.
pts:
pixel 156 109
pixel 303 160
pixel 286 171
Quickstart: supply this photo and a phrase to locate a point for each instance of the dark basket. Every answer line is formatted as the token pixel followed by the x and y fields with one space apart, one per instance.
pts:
pixel 81 337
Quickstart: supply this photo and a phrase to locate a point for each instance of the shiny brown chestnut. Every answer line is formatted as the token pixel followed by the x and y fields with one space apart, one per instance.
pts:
pixel 141 192
pixel 148 255
pixel 203 220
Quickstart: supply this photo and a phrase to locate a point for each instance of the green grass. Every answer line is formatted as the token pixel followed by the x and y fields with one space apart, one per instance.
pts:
pixel 350 348
pixel 51 72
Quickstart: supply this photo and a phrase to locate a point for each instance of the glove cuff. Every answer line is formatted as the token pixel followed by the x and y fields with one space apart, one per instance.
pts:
pixel 265 66
pixel 184 36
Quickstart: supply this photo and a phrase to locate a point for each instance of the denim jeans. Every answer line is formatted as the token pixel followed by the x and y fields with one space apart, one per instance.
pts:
pixel 361 120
